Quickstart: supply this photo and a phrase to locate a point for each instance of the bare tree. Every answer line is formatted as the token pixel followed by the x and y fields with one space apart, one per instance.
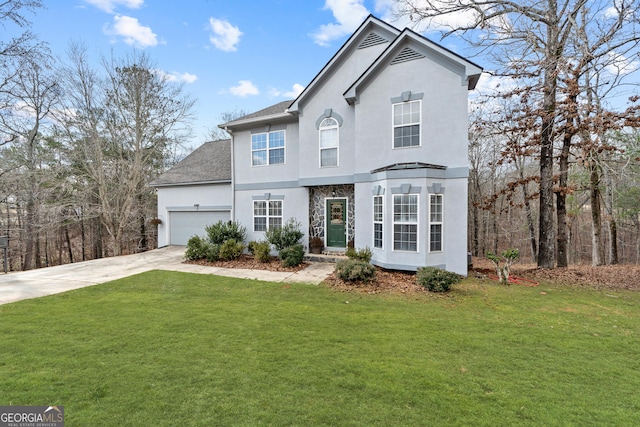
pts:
pixel 530 41
pixel 34 90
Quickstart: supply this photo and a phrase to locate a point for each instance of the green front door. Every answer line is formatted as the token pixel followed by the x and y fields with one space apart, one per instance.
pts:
pixel 336 223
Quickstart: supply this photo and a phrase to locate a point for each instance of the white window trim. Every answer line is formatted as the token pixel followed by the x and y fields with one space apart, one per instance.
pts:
pixel 266 216
pixel 337 146
pixel 440 223
pixel 267 149
pixel 416 223
pixel 381 222
pixel 393 126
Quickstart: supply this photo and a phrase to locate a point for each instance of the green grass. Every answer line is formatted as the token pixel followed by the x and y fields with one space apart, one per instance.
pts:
pixel 168 349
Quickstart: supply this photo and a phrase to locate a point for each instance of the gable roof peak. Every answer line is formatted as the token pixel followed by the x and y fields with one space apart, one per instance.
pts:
pixel 382 32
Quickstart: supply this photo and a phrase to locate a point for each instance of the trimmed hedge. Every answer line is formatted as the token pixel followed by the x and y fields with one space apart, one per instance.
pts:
pixel 436 279
pixel 352 270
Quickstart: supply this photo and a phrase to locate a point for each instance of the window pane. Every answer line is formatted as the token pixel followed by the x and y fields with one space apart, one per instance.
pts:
pixel 259 141
pixel 377 235
pixel 329 122
pixel 329 138
pixel 436 208
pixel 405 237
pixel 276 139
pixel 260 223
pixel 275 222
pixel 260 208
pixel 329 157
pixel 276 156
pixel 435 237
pixel 406 136
pixel 377 208
pixel 275 208
pixel 259 158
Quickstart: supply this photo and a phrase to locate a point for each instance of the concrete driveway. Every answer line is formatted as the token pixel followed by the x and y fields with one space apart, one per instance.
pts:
pixel 16 286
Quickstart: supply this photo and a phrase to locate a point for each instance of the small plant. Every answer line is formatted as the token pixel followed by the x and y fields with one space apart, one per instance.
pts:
pixel 196 248
pixel 262 251
pixel 351 270
pixel 287 235
pixel 509 256
pixel 231 249
pixel 222 231
pixel 360 254
pixel 291 256
pixel 436 279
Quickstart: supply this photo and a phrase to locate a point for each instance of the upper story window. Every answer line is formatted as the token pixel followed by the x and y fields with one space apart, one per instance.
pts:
pixel 406 124
pixel 267 148
pixel 329 137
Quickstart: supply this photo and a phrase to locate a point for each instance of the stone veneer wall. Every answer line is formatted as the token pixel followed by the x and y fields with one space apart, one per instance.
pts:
pixel 317 196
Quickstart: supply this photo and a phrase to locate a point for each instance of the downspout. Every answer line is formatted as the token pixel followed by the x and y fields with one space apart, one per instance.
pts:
pixel 233 176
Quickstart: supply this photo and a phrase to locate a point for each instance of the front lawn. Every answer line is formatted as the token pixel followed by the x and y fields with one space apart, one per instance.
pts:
pixel 168 349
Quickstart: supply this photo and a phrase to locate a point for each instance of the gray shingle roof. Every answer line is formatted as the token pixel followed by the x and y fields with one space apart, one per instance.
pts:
pixel 211 162
pixel 278 108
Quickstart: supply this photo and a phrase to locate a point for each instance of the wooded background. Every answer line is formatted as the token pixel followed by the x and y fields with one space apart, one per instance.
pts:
pixel 554 143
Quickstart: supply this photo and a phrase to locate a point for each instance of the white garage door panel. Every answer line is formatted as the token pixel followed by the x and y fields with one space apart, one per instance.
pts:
pixel 183 225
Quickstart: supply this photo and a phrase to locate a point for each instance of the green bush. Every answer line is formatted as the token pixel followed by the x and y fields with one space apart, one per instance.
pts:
pixel 212 252
pixel 251 247
pixel 291 256
pixel 287 235
pixel 231 249
pixel 196 248
pixel 222 231
pixel 261 251
pixel 436 279
pixel 360 254
pixel 351 270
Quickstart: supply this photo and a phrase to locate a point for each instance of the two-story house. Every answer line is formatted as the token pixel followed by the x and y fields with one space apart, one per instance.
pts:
pixel 373 151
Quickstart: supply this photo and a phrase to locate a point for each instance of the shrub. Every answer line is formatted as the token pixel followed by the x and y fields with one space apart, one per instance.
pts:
pixel 222 231
pixel 231 249
pixel 196 248
pixel 251 247
pixel 291 256
pixel 262 251
pixel 360 254
pixel 212 252
pixel 287 235
pixel 351 270
pixel 436 279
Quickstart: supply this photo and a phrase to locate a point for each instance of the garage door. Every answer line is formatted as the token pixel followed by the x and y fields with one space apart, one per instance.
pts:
pixel 183 225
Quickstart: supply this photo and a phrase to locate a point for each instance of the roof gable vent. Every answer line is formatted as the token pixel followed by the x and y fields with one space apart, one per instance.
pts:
pixel 407 54
pixel 372 39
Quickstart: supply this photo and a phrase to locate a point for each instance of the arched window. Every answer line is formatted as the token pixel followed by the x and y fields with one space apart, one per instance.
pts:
pixel 328 142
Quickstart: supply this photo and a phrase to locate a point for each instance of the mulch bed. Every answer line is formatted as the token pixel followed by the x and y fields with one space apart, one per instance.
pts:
pixel 250 263
pixel 387 281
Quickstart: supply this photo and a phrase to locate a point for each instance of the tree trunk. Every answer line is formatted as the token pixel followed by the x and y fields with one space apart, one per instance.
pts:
pixel 546 239
pixel 561 202
pixel 597 255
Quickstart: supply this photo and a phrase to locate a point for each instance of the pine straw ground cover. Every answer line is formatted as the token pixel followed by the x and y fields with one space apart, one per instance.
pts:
pixel 387 281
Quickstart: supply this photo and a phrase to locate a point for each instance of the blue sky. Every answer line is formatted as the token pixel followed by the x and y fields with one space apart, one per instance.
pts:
pixel 231 55
pixel 243 55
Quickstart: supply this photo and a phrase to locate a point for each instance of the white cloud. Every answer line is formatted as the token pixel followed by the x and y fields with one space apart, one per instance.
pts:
pixel 244 88
pixel 225 36
pixel 619 64
pixel 132 31
pixel 296 90
pixel 109 5
pixel 176 76
pixel 349 14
